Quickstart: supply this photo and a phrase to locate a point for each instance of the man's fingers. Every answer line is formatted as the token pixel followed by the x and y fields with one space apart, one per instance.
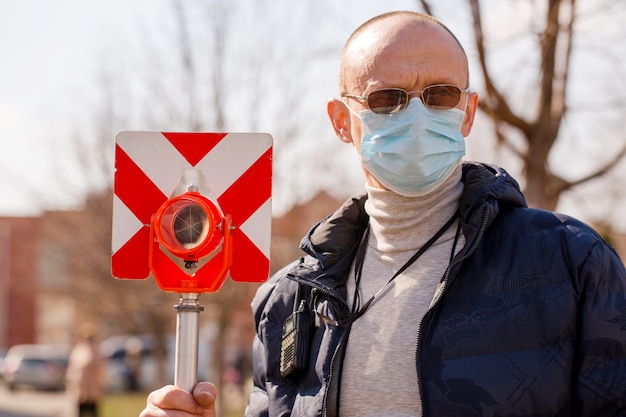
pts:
pixel 205 394
pixel 170 397
pixel 171 401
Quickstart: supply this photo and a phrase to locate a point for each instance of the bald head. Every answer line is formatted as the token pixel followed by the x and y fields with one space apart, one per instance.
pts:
pixel 400 50
pixel 405 32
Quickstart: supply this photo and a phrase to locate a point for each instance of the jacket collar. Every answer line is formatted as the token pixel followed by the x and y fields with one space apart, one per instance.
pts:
pixel 487 188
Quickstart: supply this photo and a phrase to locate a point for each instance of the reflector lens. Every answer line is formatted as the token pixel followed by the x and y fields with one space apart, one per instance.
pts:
pixel 191 226
pixel 187 226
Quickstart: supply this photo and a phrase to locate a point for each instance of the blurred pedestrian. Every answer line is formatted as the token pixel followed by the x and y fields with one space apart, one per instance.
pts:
pixel 132 360
pixel 85 372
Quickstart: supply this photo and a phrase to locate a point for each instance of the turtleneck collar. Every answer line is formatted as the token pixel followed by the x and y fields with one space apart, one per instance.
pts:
pixel 401 223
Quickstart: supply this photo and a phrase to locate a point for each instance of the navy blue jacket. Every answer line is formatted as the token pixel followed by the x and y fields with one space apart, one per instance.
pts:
pixel 529 320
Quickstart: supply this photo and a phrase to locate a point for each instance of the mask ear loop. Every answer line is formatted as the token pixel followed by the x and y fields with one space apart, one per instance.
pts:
pixel 466 94
pixel 354 111
pixel 357 151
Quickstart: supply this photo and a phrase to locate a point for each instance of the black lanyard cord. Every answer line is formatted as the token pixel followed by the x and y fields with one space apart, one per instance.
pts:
pixel 358 267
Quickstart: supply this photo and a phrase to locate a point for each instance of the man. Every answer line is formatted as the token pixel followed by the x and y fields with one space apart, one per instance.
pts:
pixel 437 292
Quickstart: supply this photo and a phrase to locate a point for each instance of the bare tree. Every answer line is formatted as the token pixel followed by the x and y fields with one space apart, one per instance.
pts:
pixel 81 240
pixel 557 36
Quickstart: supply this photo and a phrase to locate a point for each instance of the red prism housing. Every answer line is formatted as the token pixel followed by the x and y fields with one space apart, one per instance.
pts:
pixel 192 208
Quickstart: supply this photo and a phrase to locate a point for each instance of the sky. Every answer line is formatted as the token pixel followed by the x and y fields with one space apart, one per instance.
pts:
pixel 53 53
pixel 48 51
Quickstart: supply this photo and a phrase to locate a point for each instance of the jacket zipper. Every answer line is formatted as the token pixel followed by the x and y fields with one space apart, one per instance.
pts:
pixel 333 295
pixel 330 375
pixel 481 231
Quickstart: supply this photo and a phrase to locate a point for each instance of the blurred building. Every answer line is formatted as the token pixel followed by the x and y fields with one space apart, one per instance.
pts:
pixel 34 307
pixel 19 239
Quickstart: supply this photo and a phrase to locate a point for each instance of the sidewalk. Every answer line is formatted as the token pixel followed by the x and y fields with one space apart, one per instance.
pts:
pixel 26 403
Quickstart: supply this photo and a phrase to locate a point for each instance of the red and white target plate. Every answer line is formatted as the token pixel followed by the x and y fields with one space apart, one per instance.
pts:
pixel 233 169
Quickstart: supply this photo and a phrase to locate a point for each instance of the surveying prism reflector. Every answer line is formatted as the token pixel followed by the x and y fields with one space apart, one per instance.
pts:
pixel 235 172
pixel 192 229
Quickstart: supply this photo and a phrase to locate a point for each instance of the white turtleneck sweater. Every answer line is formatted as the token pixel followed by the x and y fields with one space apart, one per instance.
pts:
pixel 379 373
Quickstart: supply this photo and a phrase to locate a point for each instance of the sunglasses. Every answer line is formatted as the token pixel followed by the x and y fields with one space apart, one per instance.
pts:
pixel 393 100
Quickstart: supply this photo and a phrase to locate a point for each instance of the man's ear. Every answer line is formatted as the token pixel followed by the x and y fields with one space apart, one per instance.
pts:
pixel 470 112
pixel 339 115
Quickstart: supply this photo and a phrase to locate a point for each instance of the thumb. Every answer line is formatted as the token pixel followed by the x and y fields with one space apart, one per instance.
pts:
pixel 205 394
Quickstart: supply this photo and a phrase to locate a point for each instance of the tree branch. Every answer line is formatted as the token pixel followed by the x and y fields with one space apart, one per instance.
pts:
pixel 561 184
pixel 495 105
pixel 426 7
pixel 562 92
pixel 553 84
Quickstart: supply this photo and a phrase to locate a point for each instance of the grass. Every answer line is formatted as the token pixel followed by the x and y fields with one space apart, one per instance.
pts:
pixel 123 405
pixel 131 404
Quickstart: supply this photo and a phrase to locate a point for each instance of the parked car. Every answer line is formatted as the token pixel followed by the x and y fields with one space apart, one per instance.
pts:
pixel 36 366
pixel 131 362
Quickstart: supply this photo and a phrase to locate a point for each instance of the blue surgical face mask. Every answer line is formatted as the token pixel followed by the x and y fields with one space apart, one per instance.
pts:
pixel 413 151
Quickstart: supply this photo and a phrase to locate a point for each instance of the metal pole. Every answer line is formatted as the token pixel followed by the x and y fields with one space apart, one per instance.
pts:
pixel 187 323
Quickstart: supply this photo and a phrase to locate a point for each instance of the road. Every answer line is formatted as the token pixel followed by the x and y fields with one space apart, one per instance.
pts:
pixel 26 403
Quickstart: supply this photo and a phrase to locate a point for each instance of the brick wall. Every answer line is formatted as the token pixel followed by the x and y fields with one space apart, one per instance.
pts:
pixel 19 239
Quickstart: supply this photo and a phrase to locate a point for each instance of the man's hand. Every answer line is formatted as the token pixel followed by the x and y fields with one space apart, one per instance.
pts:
pixel 171 401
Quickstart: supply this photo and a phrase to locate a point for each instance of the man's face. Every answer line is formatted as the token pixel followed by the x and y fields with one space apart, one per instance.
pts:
pixel 402 53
